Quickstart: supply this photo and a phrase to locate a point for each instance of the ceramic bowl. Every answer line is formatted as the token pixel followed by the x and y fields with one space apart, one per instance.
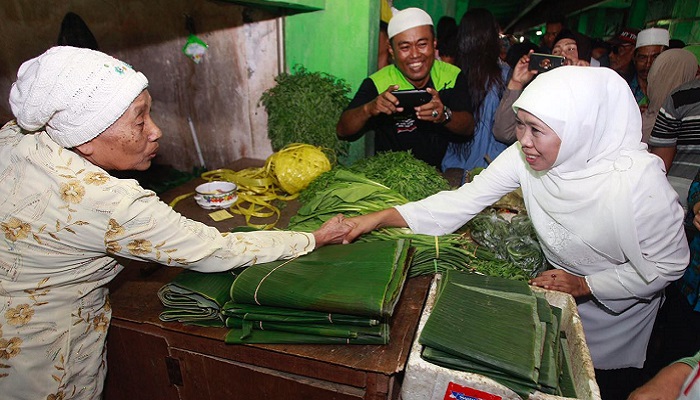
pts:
pixel 216 194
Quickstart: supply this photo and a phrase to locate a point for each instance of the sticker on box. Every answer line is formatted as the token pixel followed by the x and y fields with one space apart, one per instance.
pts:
pixel 459 392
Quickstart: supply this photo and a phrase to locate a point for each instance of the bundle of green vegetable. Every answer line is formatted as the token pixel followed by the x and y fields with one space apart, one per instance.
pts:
pixel 401 171
pixel 514 241
pixel 304 107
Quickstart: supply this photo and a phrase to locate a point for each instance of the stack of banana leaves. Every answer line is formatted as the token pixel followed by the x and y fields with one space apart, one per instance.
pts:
pixel 500 329
pixel 343 294
pixel 351 193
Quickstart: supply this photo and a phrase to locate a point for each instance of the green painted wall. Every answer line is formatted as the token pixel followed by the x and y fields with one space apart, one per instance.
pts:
pixel 340 40
pixel 686 21
pixel 436 9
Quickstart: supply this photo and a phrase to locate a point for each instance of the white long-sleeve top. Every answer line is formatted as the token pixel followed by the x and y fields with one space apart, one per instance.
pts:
pixel 618 320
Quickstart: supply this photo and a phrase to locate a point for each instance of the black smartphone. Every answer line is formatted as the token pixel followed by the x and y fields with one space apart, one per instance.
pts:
pixel 544 62
pixel 408 99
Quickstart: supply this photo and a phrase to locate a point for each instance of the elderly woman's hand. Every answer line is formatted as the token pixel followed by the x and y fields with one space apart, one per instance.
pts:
pixel 562 281
pixel 332 231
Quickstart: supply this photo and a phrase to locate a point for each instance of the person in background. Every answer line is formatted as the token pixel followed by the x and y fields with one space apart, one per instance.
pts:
pixel 553 26
pixel 427 129
pixel 600 50
pixel 383 55
pixel 622 53
pixel 675 334
pixel 677 381
pixel 446 34
pixel 574 47
pixel 507 41
pixel 671 69
pixel 517 51
pixel 650 43
pixel 676 44
pixel 479 50
pixel 566 45
pixel 65 220
pixel 579 159
pixel 675 138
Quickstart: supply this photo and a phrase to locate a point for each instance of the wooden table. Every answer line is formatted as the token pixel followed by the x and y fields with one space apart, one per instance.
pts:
pixel 151 359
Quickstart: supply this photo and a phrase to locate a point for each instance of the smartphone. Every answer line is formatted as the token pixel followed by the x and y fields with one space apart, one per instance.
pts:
pixel 544 62
pixel 409 99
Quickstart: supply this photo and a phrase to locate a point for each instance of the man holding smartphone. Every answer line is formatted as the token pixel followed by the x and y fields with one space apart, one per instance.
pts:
pixel 427 128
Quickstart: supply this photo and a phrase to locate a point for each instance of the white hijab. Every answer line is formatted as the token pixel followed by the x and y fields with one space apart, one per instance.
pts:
pixel 588 189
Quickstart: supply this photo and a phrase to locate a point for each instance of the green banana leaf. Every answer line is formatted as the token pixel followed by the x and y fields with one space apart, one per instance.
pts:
pixel 196 298
pixel 271 314
pixel 336 330
pixel 243 336
pixel 522 388
pixel 493 323
pixel 363 279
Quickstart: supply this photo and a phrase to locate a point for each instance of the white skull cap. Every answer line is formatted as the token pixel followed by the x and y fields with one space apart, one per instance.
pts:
pixel 406 19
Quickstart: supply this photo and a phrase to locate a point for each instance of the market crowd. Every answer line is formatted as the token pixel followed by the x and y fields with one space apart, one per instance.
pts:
pixel 605 149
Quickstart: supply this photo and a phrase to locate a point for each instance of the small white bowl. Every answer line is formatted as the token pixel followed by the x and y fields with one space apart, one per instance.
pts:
pixel 216 194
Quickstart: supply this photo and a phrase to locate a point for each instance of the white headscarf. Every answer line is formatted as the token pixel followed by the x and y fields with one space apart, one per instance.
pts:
pixel 671 69
pixel 588 189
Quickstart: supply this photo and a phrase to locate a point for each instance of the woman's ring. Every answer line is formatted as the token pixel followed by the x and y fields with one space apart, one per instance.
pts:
pixel 435 113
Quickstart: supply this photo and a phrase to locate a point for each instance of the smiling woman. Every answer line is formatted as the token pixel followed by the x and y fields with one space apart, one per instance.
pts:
pixel 605 215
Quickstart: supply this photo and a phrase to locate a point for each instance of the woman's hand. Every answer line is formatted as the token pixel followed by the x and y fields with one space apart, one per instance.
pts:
pixel 666 385
pixel 562 281
pixel 369 222
pixel 522 75
pixel 332 231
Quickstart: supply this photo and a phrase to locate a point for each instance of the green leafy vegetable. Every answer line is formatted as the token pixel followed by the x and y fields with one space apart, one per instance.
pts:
pixel 304 107
pixel 401 171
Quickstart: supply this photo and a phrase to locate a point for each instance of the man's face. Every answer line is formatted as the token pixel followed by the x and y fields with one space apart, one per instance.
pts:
pixel 621 57
pixel 130 143
pixel 414 54
pixel 644 57
pixel 550 33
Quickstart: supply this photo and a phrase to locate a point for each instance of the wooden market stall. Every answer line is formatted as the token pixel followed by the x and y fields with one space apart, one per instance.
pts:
pixel 151 359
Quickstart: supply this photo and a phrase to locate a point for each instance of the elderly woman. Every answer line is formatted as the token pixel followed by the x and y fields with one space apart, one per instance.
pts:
pixel 605 215
pixel 80 113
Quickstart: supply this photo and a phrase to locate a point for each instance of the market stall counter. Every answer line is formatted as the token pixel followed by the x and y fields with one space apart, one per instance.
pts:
pixel 151 359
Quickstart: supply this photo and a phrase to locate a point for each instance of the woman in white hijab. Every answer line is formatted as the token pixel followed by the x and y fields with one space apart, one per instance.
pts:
pixel 606 217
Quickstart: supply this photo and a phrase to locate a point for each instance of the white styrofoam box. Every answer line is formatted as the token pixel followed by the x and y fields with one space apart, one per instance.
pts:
pixel 427 381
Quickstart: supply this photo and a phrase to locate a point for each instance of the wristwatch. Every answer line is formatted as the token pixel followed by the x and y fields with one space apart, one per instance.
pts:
pixel 448 114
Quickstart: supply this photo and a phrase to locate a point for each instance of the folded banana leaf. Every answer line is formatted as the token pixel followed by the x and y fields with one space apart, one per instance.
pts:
pixel 566 380
pixel 254 336
pixel 549 366
pixel 336 330
pixel 196 298
pixel 363 279
pixel 492 324
pixel 271 314
pixel 521 387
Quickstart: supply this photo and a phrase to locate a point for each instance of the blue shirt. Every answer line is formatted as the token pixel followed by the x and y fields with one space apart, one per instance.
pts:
pixel 474 153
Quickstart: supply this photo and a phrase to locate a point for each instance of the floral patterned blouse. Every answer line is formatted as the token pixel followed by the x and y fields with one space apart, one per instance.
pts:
pixel 61 221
